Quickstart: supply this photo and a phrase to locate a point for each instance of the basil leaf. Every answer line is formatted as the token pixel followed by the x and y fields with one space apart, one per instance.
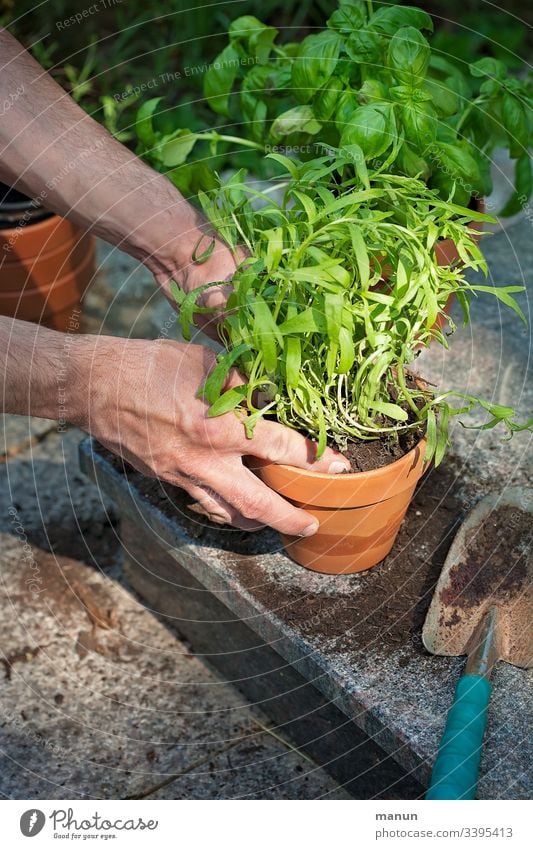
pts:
pixel 408 56
pixel 346 106
pixel 300 119
pixel 371 127
pixel 420 126
pixel 412 164
pixel 488 67
pixel 515 121
pixel 219 80
pixel 144 122
pixel 255 36
pixel 388 19
pixel 326 99
pixel 523 177
pixel 443 96
pixel 314 63
pixel 348 18
pixel 457 161
pixel 176 150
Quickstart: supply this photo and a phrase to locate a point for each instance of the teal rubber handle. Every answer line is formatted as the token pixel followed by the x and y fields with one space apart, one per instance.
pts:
pixel 456 769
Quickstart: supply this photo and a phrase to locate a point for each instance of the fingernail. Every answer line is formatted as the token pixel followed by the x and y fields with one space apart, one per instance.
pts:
pixel 337 467
pixel 309 530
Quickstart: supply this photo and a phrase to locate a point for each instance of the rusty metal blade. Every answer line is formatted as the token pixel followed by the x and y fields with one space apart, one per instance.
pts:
pixel 489 567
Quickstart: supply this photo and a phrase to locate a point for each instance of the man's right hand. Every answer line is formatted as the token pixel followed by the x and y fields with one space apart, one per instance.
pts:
pixel 142 403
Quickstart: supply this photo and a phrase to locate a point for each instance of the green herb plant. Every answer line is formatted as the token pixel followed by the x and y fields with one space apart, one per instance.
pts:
pixel 339 291
pixel 371 77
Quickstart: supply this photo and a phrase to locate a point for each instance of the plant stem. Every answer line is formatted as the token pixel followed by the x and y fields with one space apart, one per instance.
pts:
pixel 370 7
pixel 233 139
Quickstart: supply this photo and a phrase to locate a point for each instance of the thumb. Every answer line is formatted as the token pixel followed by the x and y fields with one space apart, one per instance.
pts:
pixel 279 444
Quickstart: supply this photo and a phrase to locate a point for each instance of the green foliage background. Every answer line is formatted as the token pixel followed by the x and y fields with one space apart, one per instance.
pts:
pixel 126 44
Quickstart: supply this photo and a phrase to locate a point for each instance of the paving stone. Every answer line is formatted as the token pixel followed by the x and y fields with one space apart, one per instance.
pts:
pixel 254 769
pixel 97 697
pixel 18 432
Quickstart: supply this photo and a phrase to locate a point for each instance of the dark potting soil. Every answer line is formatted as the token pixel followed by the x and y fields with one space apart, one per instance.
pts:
pixel 365 456
pixel 498 552
pixel 390 604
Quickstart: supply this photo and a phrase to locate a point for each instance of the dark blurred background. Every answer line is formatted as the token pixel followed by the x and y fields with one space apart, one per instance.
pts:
pixel 119 46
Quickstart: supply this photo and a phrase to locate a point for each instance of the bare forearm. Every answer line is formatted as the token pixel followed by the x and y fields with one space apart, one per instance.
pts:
pixel 54 151
pixel 47 374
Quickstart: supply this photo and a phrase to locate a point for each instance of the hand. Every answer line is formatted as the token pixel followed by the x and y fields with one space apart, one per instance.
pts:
pixel 191 275
pixel 142 405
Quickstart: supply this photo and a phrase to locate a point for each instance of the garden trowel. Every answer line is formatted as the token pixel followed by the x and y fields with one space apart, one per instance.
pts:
pixel 482 608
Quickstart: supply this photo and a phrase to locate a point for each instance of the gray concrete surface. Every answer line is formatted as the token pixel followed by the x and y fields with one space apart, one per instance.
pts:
pixel 97 698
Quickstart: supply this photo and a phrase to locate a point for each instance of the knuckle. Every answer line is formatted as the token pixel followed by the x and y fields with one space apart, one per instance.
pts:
pixel 256 506
pixel 278 446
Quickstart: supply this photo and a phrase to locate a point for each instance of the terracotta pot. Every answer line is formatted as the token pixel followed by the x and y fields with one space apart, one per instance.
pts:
pixel 45 267
pixel 359 513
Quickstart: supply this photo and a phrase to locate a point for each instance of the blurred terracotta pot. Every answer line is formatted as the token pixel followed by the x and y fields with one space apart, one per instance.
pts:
pixel 359 513
pixel 46 263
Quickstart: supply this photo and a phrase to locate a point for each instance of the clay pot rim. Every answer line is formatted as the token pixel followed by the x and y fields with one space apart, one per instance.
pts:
pixel 373 474
pixel 53 219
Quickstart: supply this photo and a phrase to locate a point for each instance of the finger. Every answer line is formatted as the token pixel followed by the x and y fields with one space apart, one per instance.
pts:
pixel 245 493
pixel 279 444
pixel 209 504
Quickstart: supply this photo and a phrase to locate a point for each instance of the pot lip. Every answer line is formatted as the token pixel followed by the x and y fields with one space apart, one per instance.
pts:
pixel 373 474
pixel 52 219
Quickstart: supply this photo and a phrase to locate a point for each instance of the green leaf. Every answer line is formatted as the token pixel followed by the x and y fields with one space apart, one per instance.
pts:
pixel 229 401
pixel 515 121
pixel 314 63
pixel 457 161
pixel 219 80
pixel 333 306
pixel 523 186
pixel 503 293
pixel 372 128
pixel 349 18
pixel 144 122
pixel 266 334
pixel 442 434
pixel 408 56
pixel 293 361
pixel 307 321
pixel 254 35
pixel 488 67
pixel 346 351
pixel 299 119
pixel 361 255
pixel 443 96
pixel 420 126
pixel 326 99
pixel 388 19
pixel 392 411
pixel 216 379
pixel 431 435
pixel 176 150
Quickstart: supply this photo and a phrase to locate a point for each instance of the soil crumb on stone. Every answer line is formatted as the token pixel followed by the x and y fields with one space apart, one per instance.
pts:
pixel 496 562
